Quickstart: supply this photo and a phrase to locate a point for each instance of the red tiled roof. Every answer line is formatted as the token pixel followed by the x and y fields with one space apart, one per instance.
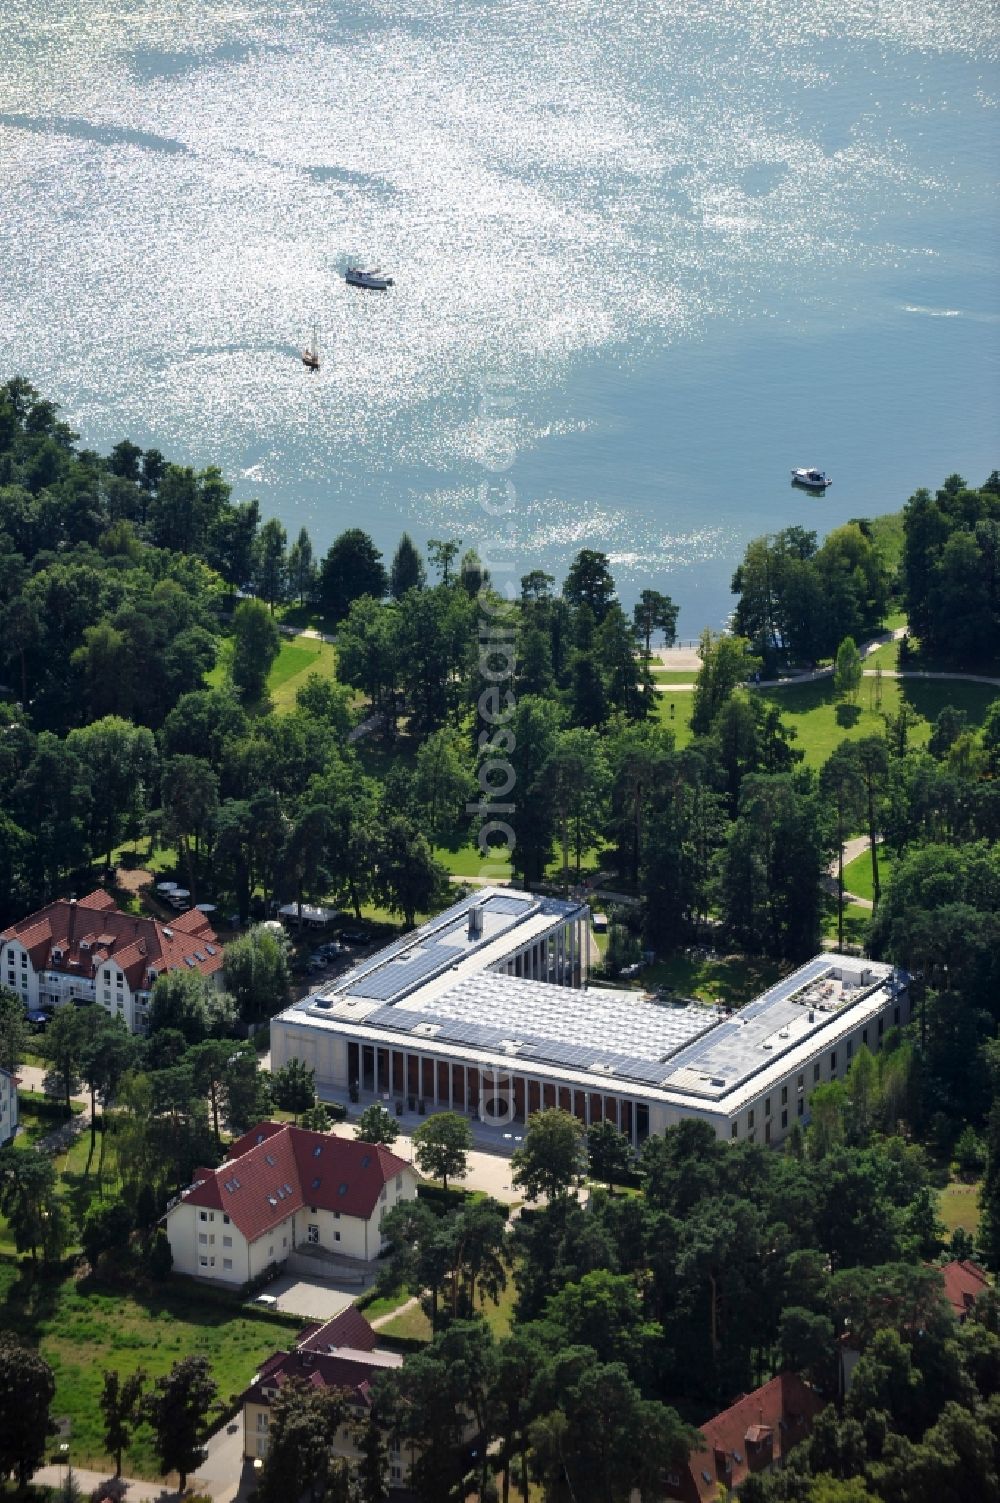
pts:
pixel 321 1371
pixel 964 1281
pixel 276 1169
pixel 348 1329
pixel 737 1439
pixel 136 942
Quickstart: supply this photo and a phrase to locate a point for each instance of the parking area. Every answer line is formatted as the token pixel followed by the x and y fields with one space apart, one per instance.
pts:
pixel 313 1299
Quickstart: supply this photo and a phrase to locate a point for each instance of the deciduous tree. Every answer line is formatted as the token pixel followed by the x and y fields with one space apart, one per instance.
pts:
pixel 178 1408
pixel 442 1145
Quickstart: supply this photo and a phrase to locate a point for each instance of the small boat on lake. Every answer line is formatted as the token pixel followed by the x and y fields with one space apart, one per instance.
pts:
pixel 811 480
pixel 357 276
pixel 310 355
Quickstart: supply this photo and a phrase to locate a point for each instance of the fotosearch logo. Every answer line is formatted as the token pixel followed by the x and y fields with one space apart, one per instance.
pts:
pixel 497 633
pixel 497 630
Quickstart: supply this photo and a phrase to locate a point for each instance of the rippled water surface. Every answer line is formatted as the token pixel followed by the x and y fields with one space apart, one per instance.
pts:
pixel 647 258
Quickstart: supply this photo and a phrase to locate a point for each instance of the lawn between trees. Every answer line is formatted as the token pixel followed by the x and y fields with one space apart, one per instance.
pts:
pixel 83 1327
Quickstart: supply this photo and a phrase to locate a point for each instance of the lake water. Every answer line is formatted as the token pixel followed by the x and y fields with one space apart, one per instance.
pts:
pixel 648 257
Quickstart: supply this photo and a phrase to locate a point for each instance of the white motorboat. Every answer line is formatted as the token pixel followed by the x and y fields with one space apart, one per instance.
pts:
pixel 811 480
pixel 357 276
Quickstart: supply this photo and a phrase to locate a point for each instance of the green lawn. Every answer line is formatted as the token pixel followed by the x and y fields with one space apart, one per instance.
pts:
pixel 958 1206
pixel 886 656
pixel 731 979
pixel 675 710
pixel 812 710
pixel 858 873
pixel 298 657
pixel 674 675
pixel 83 1329
pixel 469 861
pixel 293 665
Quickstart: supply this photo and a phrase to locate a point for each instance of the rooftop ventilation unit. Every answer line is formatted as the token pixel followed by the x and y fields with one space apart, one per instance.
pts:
pixel 476 922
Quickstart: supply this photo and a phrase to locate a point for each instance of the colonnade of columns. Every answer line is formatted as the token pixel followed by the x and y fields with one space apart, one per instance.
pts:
pixel 491 1094
pixel 559 957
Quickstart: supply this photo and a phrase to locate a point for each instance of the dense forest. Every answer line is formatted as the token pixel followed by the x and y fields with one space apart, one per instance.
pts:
pixel 140 609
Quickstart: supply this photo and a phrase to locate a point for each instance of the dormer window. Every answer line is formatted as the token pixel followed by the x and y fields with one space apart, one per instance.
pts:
pixel 57 953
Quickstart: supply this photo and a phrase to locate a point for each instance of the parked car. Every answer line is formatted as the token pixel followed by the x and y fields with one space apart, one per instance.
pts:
pixel 355 936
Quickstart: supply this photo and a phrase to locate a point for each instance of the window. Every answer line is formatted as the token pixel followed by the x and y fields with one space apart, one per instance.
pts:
pixel 802 1104
pixel 203 1237
pixel 212 1240
pixel 336 1236
pixel 107 975
pixel 270 1251
pixel 881 1027
pixel 816 1072
pixel 767 1106
pixel 750 1118
pixel 784 1119
pixel 833 1061
pixel 225 1221
pixel 382 1196
pixel 850 1048
pixel 227 1262
pixel 262 1445
pixel 895 1015
pixel 312 1233
pixel 864 1035
pixel 203 1215
pixel 399 1181
pixel 263 1420
pixel 734 1131
pixel 284 1241
pixel 227 1241
pixel 203 1262
pixel 784 1095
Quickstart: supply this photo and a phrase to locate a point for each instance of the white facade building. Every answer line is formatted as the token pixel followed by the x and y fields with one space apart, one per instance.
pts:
pixel 283 1187
pixel 88 950
pixel 482 1010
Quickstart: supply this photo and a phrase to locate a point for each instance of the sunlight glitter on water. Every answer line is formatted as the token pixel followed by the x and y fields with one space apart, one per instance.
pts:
pixel 548 183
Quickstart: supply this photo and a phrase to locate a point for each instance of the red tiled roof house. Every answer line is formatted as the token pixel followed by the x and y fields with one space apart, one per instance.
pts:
pixel 344 1354
pixel 752 1435
pixel 87 950
pixel 964 1282
pixel 283 1187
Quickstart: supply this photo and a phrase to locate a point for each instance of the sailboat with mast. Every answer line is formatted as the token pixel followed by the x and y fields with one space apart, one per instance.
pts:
pixel 310 355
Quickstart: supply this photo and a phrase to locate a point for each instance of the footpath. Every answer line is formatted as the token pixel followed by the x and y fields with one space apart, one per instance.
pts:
pixel 680 659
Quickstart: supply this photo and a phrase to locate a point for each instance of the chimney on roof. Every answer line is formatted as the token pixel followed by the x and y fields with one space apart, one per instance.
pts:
pixel 476 921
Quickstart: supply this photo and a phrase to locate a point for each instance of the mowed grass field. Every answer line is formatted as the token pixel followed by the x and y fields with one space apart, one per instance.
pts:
pixel 858 873
pixel 811 710
pixel 958 1206
pixel 299 656
pixel 82 1330
pixel 292 667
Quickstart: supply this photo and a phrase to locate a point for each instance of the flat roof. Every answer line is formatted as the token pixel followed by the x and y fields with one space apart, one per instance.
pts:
pixel 435 989
pixel 486 927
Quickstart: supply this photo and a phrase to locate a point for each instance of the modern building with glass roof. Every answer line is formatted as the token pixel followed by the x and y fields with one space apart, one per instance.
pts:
pixel 485 1009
